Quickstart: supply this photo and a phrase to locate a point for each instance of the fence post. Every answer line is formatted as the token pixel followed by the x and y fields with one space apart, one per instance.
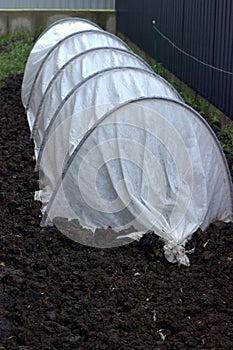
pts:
pixel 155 47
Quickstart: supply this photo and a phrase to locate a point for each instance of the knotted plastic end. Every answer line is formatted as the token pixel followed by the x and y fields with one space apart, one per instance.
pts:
pixel 175 253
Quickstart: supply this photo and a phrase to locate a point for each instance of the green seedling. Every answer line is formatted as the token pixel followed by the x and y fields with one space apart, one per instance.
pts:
pixel 203 107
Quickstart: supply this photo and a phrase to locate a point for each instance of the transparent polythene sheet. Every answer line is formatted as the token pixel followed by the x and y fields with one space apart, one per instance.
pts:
pixel 46 41
pixel 150 165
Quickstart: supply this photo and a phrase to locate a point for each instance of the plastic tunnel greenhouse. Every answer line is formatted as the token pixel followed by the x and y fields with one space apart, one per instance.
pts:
pixel 118 151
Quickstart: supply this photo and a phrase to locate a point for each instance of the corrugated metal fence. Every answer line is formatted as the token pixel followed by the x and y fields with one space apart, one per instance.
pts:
pixel 57 4
pixel 201 28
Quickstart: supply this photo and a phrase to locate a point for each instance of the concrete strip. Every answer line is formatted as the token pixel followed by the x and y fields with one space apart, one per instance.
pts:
pixel 33 20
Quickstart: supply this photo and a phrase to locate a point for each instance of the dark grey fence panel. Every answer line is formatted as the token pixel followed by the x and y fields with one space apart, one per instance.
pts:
pixel 223 55
pixel 201 28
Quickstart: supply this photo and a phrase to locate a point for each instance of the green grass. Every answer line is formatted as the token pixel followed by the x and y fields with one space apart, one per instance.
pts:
pixel 14 51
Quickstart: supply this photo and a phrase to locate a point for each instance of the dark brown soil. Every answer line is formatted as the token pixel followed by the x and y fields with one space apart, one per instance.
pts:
pixel 57 294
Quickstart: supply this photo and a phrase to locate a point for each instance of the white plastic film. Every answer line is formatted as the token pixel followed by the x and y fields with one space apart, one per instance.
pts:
pixel 79 113
pixel 49 38
pixel 147 165
pixel 78 69
pixel 66 50
pixel 107 89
